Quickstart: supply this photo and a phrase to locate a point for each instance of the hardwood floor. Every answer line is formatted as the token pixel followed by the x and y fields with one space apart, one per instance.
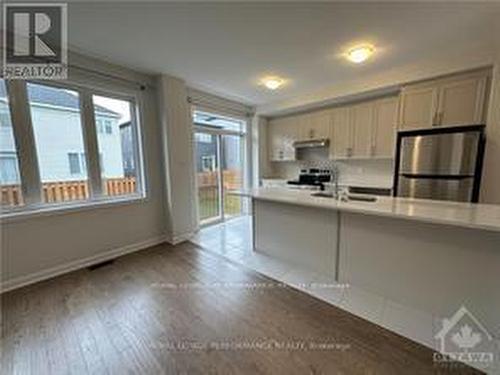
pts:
pixel 180 310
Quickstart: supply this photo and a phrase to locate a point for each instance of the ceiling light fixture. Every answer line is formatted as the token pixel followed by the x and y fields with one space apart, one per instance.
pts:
pixel 359 54
pixel 273 83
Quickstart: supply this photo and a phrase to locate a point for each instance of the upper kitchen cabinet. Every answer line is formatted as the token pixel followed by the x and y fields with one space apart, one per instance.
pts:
pixel 341 133
pixel 462 102
pixel 418 107
pixel 282 133
pixel 384 127
pixel 362 120
pixel 457 100
pixel 315 125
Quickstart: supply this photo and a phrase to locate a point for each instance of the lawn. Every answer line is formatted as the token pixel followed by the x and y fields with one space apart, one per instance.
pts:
pixel 208 203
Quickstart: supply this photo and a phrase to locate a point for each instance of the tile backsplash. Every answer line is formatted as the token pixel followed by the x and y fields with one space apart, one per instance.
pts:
pixel 359 172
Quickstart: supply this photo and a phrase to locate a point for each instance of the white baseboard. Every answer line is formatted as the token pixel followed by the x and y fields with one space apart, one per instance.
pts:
pixel 176 239
pixel 48 273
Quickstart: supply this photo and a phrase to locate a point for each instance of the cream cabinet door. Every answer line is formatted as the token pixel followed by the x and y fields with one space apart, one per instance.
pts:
pixel 303 125
pixel 341 133
pixel 362 128
pixel 461 102
pixel 385 125
pixel 320 123
pixel 418 107
pixel 282 133
pixel 314 125
pixel 275 140
pixel 290 134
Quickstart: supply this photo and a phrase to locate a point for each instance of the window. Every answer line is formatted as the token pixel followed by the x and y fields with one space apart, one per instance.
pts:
pixel 74 163
pixel 208 163
pixel 117 150
pixel 57 128
pixel 203 137
pixel 100 125
pixel 210 120
pixel 4 115
pixel 69 168
pixel 108 126
pixel 11 194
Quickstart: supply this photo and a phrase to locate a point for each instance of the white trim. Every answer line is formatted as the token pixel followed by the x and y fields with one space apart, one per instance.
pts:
pixel 211 103
pixel 176 239
pixel 45 209
pixel 67 109
pixel 24 139
pixel 91 144
pixel 51 272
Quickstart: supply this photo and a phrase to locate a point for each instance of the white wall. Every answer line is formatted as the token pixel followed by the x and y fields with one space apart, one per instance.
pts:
pixel 37 247
pixel 177 133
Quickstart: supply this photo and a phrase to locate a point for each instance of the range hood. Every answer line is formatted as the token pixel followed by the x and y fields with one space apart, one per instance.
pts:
pixel 310 143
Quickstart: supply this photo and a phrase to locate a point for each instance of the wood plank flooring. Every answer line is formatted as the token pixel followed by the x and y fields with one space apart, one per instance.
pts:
pixel 181 310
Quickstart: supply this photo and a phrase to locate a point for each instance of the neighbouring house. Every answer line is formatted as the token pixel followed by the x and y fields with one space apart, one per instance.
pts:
pixel 206 143
pixel 58 134
pixel 126 137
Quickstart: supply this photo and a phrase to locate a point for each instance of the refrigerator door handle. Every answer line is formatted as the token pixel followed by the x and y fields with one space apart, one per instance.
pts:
pixel 436 176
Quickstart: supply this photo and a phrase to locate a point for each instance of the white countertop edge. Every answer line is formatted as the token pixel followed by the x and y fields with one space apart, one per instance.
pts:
pixel 366 209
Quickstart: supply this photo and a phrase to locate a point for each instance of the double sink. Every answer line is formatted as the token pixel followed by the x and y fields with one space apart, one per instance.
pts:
pixel 347 197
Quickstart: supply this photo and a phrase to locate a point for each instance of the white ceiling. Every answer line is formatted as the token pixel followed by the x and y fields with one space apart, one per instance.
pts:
pixel 226 47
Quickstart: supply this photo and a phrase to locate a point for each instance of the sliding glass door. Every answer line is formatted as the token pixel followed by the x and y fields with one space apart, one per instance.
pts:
pixel 220 167
pixel 208 176
pixel 232 173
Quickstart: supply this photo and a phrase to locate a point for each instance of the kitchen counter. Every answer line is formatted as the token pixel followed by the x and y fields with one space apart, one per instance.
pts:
pixel 466 215
pixel 434 256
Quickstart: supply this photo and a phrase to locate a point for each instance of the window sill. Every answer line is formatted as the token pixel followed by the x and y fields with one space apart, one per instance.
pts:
pixel 66 208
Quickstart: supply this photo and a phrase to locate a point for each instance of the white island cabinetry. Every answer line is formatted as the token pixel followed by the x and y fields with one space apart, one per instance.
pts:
pixel 433 256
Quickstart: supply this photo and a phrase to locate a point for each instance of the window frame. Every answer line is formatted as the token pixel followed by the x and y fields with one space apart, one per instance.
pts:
pixel 31 183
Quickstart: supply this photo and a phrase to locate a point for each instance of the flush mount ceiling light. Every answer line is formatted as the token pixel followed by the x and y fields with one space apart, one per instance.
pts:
pixel 360 53
pixel 272 83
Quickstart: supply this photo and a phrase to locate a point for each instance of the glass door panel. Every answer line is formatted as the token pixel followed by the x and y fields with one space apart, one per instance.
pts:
pixel 232 173
pixel 208 176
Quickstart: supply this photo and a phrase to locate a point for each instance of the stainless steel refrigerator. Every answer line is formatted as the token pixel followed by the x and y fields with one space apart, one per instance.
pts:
pixel 440 163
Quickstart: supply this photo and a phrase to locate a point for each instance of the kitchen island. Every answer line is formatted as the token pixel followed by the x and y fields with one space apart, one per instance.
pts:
pixel 432 255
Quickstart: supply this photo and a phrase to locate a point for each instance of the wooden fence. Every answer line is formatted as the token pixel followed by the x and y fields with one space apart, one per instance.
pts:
pixel 208 193
pixel 232 179
pixel 63 191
